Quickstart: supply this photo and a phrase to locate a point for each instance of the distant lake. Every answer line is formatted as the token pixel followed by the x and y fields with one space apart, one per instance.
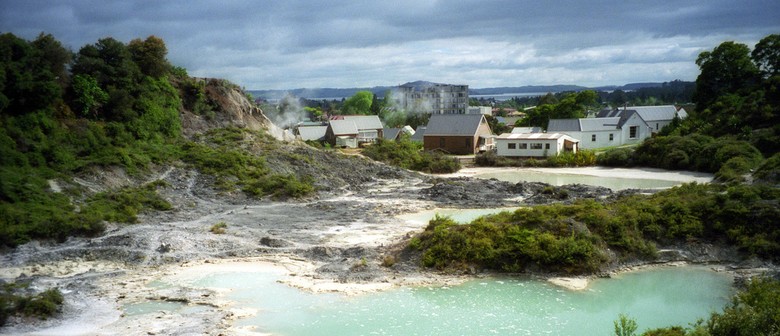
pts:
pixel 508 96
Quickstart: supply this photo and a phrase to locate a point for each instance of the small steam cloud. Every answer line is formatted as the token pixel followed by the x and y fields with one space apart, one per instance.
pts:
pixel 288 113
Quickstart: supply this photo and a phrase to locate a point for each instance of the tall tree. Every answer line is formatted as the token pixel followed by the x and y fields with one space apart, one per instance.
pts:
pixel 767 55
pixel 360 103
pixel 26 80
pixel 110 63
pixel 150 54
pixel 726 69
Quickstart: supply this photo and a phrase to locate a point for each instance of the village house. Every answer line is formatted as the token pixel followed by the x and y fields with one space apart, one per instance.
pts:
pixel 521 130
pixel 352 131
pixel 655 116
pixel 534 144
pixel 629 128
pixel 458 134
pixel 311 133
pixel 395 134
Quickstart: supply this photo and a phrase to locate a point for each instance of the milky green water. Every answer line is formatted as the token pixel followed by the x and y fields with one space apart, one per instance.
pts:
pixel 559 179
pixel 500 306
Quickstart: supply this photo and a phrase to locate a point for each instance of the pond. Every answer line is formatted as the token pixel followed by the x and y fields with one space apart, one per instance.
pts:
pixel 613 178
pixel 656 297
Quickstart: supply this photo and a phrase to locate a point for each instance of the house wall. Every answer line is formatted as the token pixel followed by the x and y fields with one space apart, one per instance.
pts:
pixel 657 125
pixel 643 132
pixel 461 145
pixel 502 147
pixel 333 140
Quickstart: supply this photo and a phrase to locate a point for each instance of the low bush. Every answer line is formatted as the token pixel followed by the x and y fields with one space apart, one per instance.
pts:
pixel 224 154
pixel 124 205
pixel 616 157
pixel 218 228
pixel 574 238
pixel 409 155
pixel 42 305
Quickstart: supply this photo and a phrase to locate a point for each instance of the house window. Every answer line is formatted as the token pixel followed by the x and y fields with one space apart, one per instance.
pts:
pixel 656 126
pixel 593 137
pixel 441 142
pixel 523 146
pixel 632 132
pixel 536 146
pixel 611 137
pixel 511 146
pixel 546 146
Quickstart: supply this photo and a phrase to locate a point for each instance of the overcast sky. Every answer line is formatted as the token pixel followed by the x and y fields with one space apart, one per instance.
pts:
pixel 290 44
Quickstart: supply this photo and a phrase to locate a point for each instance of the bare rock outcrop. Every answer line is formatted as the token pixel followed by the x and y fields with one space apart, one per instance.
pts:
pixel 233 109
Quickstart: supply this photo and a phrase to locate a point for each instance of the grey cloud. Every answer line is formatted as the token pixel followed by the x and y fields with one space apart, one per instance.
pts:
pixel 300 43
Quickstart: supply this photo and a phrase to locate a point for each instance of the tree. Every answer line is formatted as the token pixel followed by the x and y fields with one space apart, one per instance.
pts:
pixel 726 69
pixel 360 103
pixel 53 57
pixel 26 80
pixel 110 63
pixel 572 105
pixel 767 55
pixel 150 56
pixel 88 95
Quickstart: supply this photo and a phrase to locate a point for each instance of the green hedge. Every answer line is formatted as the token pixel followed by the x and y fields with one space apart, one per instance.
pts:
pixel 575 238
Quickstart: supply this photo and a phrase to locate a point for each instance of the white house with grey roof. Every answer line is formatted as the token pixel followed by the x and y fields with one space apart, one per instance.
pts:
pixel 534 144
pixel 353 130
pixel 629 128
pixel 655 116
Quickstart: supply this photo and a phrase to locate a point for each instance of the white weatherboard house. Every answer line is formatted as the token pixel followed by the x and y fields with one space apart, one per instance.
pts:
pixel 353 130
pixel 655 116
pixel 534 144
pixel 629 128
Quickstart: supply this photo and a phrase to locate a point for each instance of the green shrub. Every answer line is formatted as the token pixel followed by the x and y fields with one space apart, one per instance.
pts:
pixel 769 171
pixel 125 204
pixel 573 238
pixel 409 155
pixel 223 155
pixel 218 228
pixel 42 305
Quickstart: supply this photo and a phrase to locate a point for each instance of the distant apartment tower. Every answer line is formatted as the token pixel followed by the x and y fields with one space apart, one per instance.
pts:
pixel 433 98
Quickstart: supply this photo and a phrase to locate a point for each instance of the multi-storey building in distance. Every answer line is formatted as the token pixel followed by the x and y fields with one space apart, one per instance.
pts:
pixel 434 98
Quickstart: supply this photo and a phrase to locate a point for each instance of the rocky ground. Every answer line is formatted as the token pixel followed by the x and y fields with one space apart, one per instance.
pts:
pixel 341 235
pixel 336 240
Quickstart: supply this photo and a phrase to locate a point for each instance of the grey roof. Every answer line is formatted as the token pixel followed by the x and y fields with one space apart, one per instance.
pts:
pixel 682 113
pixel 341 127
pixel 583 124
pixel 418 134
pixel 656 113
pixel 599 124
pixel 648 113
pixel 312 132
pixel 626 115
pixel 563 125
pixel 535 136
pixel 454 124
pixel 364 122
pixel 521 130
pixel 391 133
pixel 608 113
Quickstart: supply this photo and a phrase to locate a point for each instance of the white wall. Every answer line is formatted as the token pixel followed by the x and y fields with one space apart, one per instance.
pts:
pixel 502 147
